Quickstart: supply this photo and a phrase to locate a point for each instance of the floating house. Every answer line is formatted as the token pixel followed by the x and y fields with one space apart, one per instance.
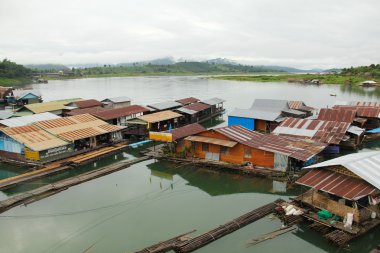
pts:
pixel 348 190
pixel 56 107
pixel 266 114
pixel 332 133
pixel 216 105
pixel 187 101
pixel 177 135
pixel 20 97
pixel 367 113
pixel 120 116
pixel 32 143
pixel 156 122
pixel 369 83
pixel 85 131
pixel 27 120
pixel 196 112
pixel 163 106
pixel 239 145
pixel 116 102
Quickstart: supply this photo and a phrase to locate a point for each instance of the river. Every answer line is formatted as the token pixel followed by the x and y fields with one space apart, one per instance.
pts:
pixel 153 201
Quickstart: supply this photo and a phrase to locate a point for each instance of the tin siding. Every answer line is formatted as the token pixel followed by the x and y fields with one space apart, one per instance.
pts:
pixel 245 122
pixel 10 145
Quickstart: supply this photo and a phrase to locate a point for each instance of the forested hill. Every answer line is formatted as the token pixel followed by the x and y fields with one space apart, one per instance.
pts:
pixel 176 68
pixel 12 74
pixel 371 72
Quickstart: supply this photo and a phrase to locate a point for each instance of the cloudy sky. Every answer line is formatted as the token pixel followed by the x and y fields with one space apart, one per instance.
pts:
pixel 298 33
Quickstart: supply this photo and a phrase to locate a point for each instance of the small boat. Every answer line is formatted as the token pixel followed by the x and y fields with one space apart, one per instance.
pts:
pixel 333 95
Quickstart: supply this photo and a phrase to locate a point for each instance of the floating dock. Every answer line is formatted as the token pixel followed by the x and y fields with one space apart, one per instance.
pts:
pixel 217 233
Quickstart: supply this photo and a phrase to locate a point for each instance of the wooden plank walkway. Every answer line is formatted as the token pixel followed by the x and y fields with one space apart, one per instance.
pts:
pixel 53 188
pixel 202 240
pixel 61 165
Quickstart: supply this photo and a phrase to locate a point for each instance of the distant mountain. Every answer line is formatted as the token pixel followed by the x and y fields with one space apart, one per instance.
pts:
pixel 159 61
pixel 222 61
pixel 53 67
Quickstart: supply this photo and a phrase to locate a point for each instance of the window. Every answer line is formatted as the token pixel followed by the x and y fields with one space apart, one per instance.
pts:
pixel 205 147
pixel 224 150
pixel 247 153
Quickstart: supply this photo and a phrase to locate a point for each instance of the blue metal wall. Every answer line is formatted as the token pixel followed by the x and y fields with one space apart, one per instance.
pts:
pixel 245 122
pixel 10 145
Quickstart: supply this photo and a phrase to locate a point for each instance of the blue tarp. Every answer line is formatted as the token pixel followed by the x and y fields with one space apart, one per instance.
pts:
pixel 374 131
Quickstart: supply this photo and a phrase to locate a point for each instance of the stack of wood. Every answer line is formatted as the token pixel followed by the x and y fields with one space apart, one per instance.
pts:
pixel 339 237
pixel 227 228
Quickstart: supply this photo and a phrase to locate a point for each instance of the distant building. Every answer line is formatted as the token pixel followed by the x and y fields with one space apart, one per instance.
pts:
pixel 20 97
pixel 369 83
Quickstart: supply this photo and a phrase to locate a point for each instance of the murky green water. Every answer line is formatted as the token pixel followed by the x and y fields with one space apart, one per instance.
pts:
pixel 153 201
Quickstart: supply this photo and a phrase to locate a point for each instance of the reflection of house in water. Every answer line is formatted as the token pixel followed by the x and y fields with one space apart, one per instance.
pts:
pixel 216 183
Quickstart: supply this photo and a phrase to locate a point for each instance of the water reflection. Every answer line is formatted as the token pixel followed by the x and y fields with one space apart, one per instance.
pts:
pixel 220 183
pixel 368 92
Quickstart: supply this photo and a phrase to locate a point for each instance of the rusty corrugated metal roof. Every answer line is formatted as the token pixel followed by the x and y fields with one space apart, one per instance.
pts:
pixel 120 112
pixel 181 132
pixel 33 137
pixel 85 103
pixel 189 100
pixel 331 132
pixel 338 184
pixel 90 110
pixel 197 107
pixel 363 109
pixel 297 148
pixel 77 127
pixel 337 115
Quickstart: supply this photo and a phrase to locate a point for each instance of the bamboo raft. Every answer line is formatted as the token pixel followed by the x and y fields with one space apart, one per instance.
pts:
pixel 270 235
pixel 227 228
pixel 61 165
pixel 167 245
pixel 54 188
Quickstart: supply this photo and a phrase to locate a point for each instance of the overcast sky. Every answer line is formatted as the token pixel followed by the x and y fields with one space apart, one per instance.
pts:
pixel 298 33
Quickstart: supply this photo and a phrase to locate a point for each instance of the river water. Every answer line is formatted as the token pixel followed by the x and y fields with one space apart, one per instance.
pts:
pixel 153 201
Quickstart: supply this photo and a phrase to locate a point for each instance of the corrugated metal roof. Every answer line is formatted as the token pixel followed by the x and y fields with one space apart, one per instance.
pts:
pixel 6 114
pixel 213 101
pixel 165 105
pixel 186 111
pixel 120 112
pixel 365 164
pixel 189 100
pixel 29 119
pixel 331 132
pixel 340 115
pixel 90 110
pixel 295 112
pixel 116 100
pixel 256 114
pixel 210 140
pixel 49 106
pixel 159 116
pixel 77 127
pixel 85 103
pixel 295 104
pixel 33 137
pixel 338 184
pixel 181 132
pixel 20 93
pixel 197 107
pixel 294 147
pixel 363 109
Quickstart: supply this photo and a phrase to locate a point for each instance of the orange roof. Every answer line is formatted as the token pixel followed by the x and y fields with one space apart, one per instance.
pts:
pixel 77 127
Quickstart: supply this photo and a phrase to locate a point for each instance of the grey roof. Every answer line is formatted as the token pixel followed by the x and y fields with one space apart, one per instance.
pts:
pixel 271 104
pixel 256 114
pixel 295 112
pixel 187 111
pixel 19 93
pixel 29 119
pixel 165 105
pixel 355 130
pixel 6 114
pixel 117 99
pixel 213 101
pixel 366 165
